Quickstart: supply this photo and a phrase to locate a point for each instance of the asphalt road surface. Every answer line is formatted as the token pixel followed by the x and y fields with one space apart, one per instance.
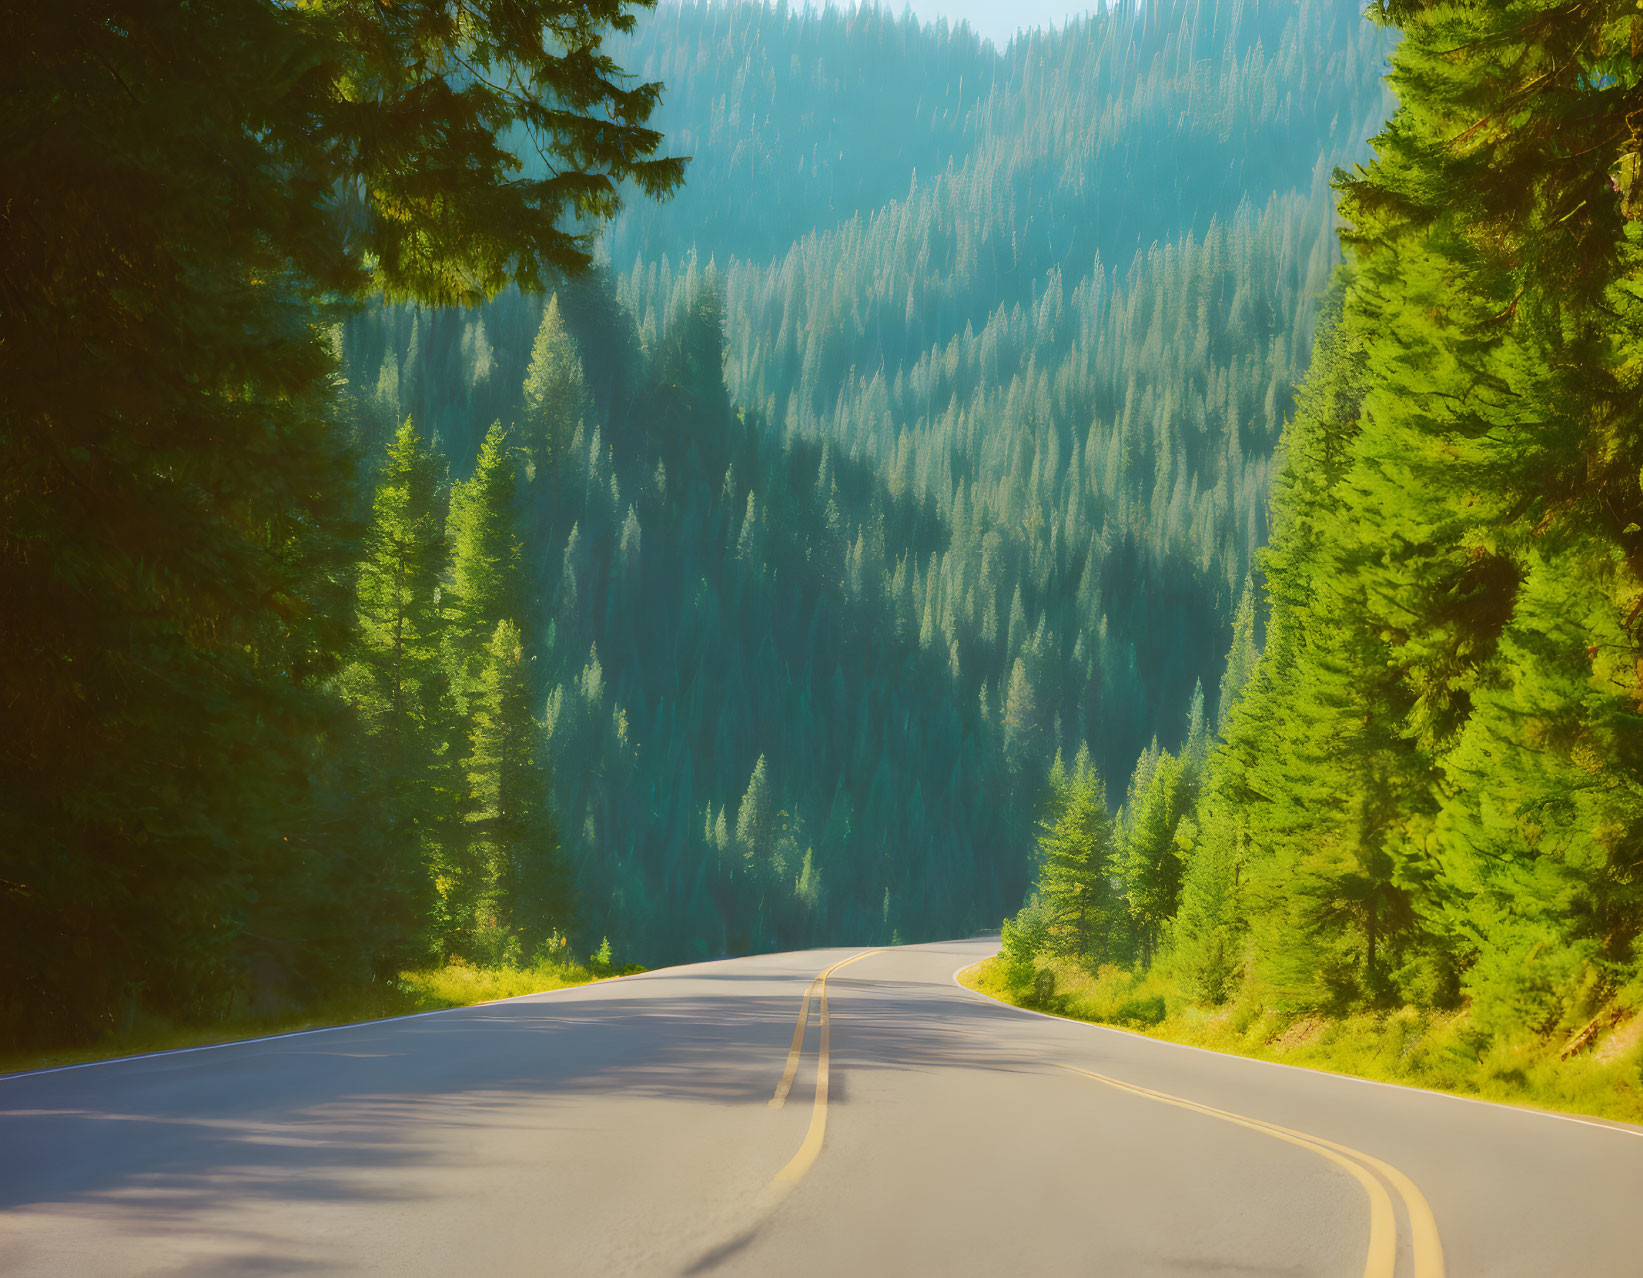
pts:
pixel 683 1122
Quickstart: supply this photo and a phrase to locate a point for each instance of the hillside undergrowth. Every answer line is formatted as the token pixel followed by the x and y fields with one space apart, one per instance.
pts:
pixel 429 989
pixel 1598 1071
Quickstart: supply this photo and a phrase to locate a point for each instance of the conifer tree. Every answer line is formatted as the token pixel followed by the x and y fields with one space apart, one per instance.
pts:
pixel 556 399
pixel 521 894
pixel 397 591
pixel 1152 862
pixel 1195 753
pixel 1075 880
pixel 1241 659
pixel 1427 786
pixel 872 511
pixel 1020 715
pixel 755 820
pixel 1206 933
pixel 398 680
pixel 485 587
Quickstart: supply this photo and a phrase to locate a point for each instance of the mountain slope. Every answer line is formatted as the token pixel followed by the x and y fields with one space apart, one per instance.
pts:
pixel 853 529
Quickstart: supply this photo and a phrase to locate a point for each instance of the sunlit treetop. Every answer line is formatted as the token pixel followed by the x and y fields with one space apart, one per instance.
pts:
pixel 1523 123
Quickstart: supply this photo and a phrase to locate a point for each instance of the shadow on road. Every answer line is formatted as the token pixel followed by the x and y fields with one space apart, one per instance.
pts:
pixel 301 1118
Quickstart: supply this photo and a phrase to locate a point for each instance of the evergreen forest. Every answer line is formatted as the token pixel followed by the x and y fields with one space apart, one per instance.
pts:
pixel 847 498
pixel 497 483
pixel 1420 788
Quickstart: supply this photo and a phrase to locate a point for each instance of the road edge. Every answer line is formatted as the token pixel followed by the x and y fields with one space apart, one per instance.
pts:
pixel 318 1029
pixel 1611 1124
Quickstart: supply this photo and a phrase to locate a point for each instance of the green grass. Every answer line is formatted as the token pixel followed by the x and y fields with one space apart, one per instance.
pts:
pixel 1442 1051
pixel 456 984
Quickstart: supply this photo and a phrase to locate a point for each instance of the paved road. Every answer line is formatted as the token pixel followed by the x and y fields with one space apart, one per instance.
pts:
pixel 629 1127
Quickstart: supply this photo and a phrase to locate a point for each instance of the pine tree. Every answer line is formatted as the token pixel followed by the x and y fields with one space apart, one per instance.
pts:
pixel 1020 716
pixel 176 497
pixel 398 680
pixel 485 587
pixel 1151 862
pixel 1075 478
pixel 1499 324
pixel 1206 935
pixel 397 591
pixel 519 895
pixel 1241 659
pixel 556 393
pixel 1195 753
pixel 1432 761
pixel 755 820
pixel 807 889
pixel 1075 878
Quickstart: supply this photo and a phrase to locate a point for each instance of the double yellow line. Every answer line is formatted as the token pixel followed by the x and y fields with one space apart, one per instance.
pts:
pixel 1370 1172
pixel 1381 1261
pixel 801 1162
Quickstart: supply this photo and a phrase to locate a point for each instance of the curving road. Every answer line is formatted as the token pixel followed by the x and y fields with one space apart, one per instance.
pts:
pixel 687 1121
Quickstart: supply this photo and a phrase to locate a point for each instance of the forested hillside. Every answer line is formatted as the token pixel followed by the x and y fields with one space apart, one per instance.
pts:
pixel 1134 125
pixel 869 485
pixel 437 549
pixel 1428 794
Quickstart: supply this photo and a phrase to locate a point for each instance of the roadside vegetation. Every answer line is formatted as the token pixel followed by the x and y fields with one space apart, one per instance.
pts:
pixel 428 989
pixel 1600 1074
pixel 1410 844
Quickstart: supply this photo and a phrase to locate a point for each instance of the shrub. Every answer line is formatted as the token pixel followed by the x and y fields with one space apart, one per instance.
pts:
pixel 1143 1012
pixel 1024 940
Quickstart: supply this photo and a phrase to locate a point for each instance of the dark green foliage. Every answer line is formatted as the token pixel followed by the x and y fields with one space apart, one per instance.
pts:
pixel 1430 788
pixel 189 815
pixel 873 476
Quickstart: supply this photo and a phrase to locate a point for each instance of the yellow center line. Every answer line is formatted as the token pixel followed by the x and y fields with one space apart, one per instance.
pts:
pixel 1426 1246
pixel 802 1161
pixel 1381 1260
pixel 796 1051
